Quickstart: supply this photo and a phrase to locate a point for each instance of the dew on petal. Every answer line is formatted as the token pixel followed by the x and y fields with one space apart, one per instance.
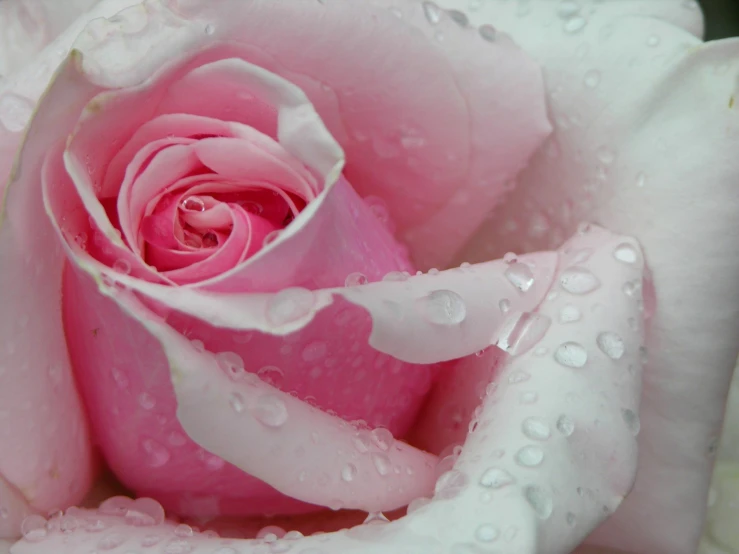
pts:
pixel 355 279
pixel 520 276
pixel 381 463
pixel 236 400
pixel 116 506
pixel 626 253
pixel 289 305
pixel 157 454
pixel 348 472
pixel 536 428
pixel 611 345
pixel 450 484
pixel 571 354
pixel 270 411
pixel 529 456
pixel 33 528
pixel 272 375
pixel 444 307
pixel 488 32
pixel 432 12
pixel 565 425
pixel 578 280
pixel 487 533
pixel 569 314
pixel 540 500
pixel 382 438
pixel 496 478
pixel 521 331
pixel 632 421
pixel 231 363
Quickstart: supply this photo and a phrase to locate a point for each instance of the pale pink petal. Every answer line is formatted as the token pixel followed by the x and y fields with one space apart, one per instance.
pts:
pixel 469 101
pixel 536 487
pixel 646 144
pixel 45 454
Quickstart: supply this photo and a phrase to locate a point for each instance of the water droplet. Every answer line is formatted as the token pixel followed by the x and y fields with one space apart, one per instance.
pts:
pixel 381 463
pixel 653 41
pixel 270 238
pixel 631 420
pixel 355 279
pixel 382 438
pixel 314 351
pixel 571 354
pixel 116 506
pixel 210 240
pixel 270 411
pixel 33 528
pixel 432 12
pixel 611 345
pixel 145 512
pixel 122 266
pixel 157 454
pixel 15 112
pixel 626 253
pixel 289 305
pixel 272 375
pixel 578 280
pixel 488 32
pixel 569 314
pixel 237 402
pixel 504 305
pixel 496 478
pixel 518 376
pixel 574 24
pixel 565 425
pixel 520 276
pixel 444 307
pixel 540 500
pixel 460 18
pixel 450 484
pixel 487 533
pixel 571 519
pixel 231 363
pixel 606 155
pixel 210 29
pixel 592 78
pixel 193 204
pixel 348 472
pixel 529 456
pixel 147 401
pixel 521 331
pixel 528 397
pixel 536 428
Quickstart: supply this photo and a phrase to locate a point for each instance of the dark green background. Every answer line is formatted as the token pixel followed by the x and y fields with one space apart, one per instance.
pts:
pixel 722 18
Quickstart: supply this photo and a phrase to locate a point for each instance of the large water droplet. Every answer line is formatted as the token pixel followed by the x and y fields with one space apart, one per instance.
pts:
pixel 611 345
pixel 231 363
pixel 193 204
pixel 145 512
pixel 270 411
pixel 529 456
pixel 521 331
pixel 540 500
pixel 626 253
pixel 355 279
pixel 578 280
pixel 15 112
pixel 520 276
pixel 565 425
pixel 382 438
pixel 444 307
pixel 571 354
pixel 289 305
pixel 536 428
pixel 496 478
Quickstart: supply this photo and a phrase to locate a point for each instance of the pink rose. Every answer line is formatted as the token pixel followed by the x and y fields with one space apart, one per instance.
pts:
pixel 208 254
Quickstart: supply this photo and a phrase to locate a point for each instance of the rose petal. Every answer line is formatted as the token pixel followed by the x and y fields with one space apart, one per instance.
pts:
pixel 646 125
